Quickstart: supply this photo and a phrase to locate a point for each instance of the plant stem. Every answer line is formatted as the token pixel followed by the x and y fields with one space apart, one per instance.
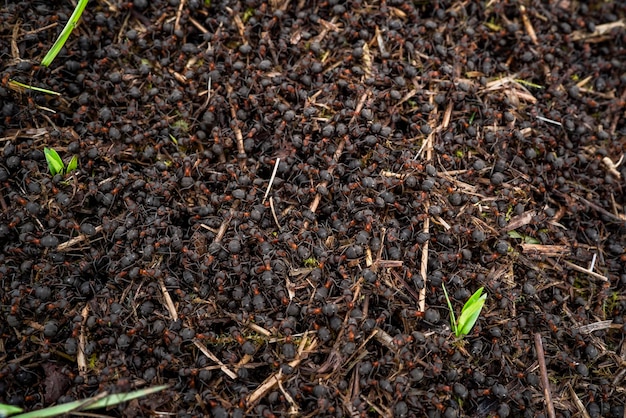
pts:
pixel 65 33
pixel 453 323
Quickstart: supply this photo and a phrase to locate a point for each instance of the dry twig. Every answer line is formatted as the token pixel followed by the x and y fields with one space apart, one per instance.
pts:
pixel 318 196
pixel 168 300
pixel 545 250
pixel 273 210
pixel 270 382
pixel 530 30
pixel 241 156
pixel 82 343
pixel 64 246
pixel 424 263
pixel 600 34
pixel 619 218
pixel 224 226
pixel 520 220
pixel 586 271
pixel 213 357
pixel 269 186
pixel 579 405
pixel 541 357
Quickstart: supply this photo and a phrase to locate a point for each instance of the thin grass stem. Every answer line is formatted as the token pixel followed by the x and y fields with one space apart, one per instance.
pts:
pixel 65 33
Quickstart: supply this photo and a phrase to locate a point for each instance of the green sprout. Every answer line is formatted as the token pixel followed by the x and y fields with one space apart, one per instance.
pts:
pixel 469 313
pixel 182 125
pixel 491 24
pixel 65 33
pixel 527 238
pixel 311 262
pixel 97 402
pixel 528 83
pixel 20 87
pixel 55 163
pixel 247 14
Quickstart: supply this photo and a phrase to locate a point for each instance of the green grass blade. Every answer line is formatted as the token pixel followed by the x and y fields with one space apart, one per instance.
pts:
pixel 33 88
pixel 55 163
pixel 471 311
pixel 453 323
pixel 72 165
pixel 87 404
pixel 7 410
pixel 477 295
pixel 118 398
pixel 54 411
pixel 65 33
pixel 528 83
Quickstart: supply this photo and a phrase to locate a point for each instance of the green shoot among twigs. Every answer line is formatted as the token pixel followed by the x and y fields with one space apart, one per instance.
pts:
pixel 97 402
pixel 469 313
pixel 20 87
pixel 65 33
pixel 55 163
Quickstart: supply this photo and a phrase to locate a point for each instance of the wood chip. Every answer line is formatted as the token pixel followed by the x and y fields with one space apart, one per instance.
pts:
pixel 545 250
pixel 600 34
pixel 596 326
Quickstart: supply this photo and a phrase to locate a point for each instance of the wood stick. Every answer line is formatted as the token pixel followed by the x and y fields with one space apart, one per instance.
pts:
pixel 69 244
pixel 584 270
pixel 179 12
pixel 541 358
pixel 273 380
pixel 424 264
pixel 331 168
pixel 619 218
pixel 213 357
pixel 81 360
pixel 269 186
pixel 169 304
pixel 241 156
pixel 528 26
